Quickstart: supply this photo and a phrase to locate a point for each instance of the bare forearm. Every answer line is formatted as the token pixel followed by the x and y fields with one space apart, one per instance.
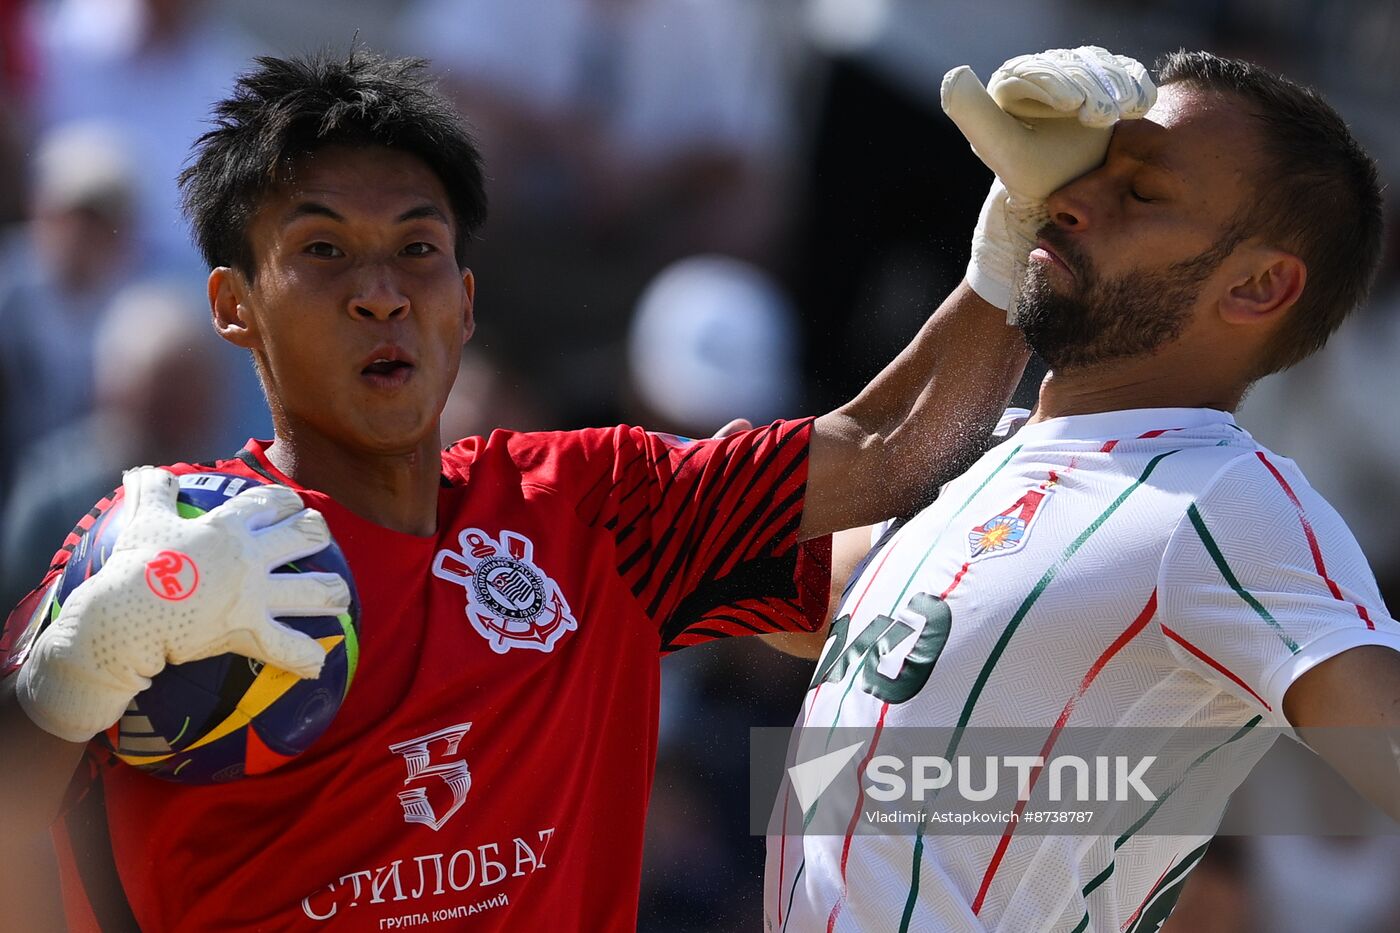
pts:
pixel 35 770
pixel 913 427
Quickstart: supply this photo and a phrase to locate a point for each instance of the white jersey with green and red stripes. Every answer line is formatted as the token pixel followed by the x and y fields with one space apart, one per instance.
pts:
pixel 1149 568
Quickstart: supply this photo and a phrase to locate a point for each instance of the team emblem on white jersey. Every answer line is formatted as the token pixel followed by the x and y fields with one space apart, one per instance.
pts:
pixel 1008 530
pixel 511 602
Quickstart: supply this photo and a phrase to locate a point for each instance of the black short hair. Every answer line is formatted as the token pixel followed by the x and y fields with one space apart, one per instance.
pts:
pixel 1318 196
pixel 287 107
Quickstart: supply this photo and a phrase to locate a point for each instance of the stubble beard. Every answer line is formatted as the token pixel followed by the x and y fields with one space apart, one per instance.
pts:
pixel 1101 319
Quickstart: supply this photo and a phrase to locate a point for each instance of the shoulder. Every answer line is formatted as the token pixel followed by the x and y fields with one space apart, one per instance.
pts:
pixel 538 456
pixel 1258 516
pixel 1255 481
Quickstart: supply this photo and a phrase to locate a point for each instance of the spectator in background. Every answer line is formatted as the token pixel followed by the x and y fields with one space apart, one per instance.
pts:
pixel 160 377
pixel 713 338
pixel 57 274
pixel 629 133
pixel 151 68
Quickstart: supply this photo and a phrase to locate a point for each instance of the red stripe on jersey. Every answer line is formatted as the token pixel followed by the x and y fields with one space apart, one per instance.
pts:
pixel 787 795
pixel 1216 665
pixel 1312 541
pixel 956 580
pixel 1109 445
pixel 1118 644
pixel 782 838
pixel 855 818
pixel 889 549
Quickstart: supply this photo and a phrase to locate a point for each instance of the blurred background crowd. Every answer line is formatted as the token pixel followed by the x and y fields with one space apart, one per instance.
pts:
pixel 701 209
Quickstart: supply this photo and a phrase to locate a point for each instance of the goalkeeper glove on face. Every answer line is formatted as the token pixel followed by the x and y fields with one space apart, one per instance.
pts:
pixel 120 627
pixel 1041 122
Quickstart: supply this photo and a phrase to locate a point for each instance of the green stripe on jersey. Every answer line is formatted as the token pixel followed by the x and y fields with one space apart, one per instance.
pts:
pixel 914 574
pixel 899 600
pixel 1101 877
pixel 985 674
pixel 855 672
pixel 1214 550
pixel 1041 585
pixel 791 892
pixel 1160 913
pixel 913 897
pixel 1162 899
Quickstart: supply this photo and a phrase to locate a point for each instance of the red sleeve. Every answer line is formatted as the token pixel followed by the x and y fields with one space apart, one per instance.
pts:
pixel 704 532
pixel 23 622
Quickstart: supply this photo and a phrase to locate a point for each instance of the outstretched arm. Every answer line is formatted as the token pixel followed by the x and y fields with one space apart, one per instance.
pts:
pixel 912 428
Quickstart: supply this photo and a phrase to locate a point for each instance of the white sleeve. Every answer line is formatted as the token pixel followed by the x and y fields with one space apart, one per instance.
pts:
pixel 1262 580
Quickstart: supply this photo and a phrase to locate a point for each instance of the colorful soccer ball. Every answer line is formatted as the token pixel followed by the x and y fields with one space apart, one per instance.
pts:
pixel 225 717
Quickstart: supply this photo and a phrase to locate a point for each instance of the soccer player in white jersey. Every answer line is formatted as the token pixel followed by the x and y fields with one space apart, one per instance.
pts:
pixel 1130 556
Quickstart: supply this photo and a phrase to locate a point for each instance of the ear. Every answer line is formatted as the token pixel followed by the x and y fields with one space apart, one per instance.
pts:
pixel 227 294
pixel 468 303
pixel 1268 283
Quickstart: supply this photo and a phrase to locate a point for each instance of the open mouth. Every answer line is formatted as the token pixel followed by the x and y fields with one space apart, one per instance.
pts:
pixel 387 369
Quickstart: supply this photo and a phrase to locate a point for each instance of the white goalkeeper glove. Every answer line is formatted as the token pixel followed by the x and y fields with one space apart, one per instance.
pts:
pixel 175 590
pixel 1041 122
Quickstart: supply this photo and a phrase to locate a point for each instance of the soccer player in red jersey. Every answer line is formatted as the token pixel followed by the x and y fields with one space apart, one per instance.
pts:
pixel 490 768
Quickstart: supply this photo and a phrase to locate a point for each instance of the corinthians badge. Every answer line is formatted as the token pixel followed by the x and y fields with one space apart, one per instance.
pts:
pixel 511 602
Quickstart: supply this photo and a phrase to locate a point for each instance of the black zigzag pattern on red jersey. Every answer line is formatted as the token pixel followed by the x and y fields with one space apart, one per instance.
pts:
pixel 60 556
pixel 721 525
pixel 17 621
pixel 251 462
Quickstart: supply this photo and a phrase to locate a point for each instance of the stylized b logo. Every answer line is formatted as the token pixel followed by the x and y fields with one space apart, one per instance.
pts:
pixel 418 756
pixel 172 575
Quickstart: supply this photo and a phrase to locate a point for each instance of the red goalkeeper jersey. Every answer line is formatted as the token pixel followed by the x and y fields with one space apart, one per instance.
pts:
pixel 492 762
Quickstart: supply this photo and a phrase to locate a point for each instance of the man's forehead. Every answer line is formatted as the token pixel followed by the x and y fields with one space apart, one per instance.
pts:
pixel 1192 133
pixel 371 181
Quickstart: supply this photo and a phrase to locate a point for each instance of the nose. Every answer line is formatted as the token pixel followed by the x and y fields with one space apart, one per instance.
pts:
pixel 378 296
pixel 1068 206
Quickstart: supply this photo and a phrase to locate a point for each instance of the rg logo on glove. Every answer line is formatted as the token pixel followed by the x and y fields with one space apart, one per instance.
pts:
pixel 172 575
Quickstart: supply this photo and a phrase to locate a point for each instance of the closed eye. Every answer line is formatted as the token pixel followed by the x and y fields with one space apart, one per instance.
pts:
pixel 1141 199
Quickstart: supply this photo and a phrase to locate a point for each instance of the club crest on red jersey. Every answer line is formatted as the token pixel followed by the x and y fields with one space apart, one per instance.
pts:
pixel 1008 530
pixel 511 602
